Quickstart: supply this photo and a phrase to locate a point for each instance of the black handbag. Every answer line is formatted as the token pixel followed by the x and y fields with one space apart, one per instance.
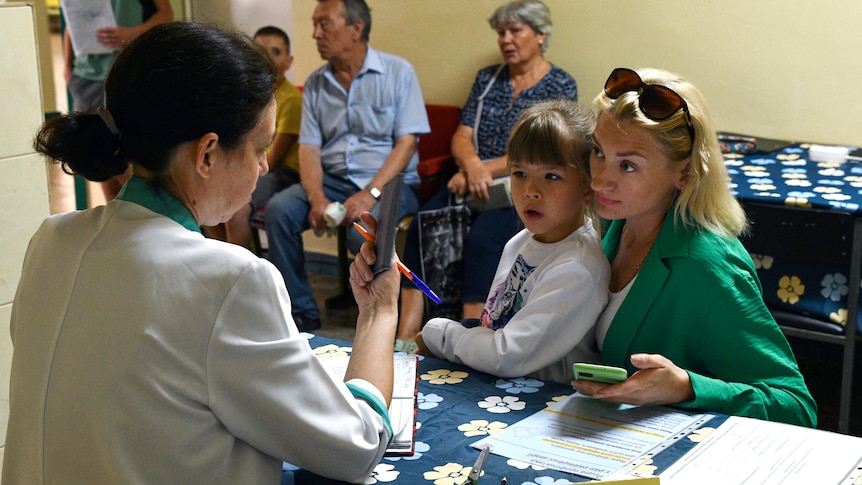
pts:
pixel 442 234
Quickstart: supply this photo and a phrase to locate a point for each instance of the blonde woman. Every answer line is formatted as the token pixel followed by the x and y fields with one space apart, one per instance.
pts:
pixel 686 315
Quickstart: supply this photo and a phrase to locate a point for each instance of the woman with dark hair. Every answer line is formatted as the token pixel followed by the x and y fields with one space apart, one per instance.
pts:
pixel 146 353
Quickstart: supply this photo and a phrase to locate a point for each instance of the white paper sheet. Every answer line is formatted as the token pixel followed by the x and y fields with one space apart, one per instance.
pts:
pixel 402 408
pixel 83 19
pixel 588 437
pixel 751 451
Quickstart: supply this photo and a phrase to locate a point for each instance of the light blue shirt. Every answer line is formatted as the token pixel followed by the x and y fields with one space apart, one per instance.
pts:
pixel 356 130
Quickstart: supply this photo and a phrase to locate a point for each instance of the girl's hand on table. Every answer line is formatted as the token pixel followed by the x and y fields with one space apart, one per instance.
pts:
pixel 422 349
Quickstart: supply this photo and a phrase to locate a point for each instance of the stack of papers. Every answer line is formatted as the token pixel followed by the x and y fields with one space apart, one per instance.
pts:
pixel 606 441
pixel 591 438
pixel 746 450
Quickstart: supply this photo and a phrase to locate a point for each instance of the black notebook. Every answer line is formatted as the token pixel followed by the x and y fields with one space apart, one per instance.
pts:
pixel 387 223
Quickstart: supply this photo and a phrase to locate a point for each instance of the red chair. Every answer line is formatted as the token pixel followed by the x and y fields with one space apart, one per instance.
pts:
pixel 436 164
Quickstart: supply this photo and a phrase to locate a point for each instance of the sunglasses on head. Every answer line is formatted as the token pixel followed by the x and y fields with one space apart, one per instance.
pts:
pixel 655 101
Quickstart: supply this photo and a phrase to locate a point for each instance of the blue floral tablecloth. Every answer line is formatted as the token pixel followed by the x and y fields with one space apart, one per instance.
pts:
pixel 457 407
pixel 788 177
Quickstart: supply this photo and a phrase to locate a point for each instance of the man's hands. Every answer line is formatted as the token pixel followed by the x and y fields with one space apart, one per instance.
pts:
pixel 315 214
pixel 657 382
pixel 356 204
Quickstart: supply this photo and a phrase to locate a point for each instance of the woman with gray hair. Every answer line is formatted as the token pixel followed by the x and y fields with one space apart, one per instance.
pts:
pixel 498 96
pixel 533 13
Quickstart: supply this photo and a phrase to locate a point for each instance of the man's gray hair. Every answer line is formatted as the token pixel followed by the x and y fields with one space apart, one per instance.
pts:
pixel 357 10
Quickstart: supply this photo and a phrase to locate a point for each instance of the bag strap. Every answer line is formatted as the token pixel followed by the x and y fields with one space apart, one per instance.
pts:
pixel 481 102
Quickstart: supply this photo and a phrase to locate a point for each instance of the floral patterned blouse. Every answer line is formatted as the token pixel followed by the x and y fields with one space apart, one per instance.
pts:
pixel 500 112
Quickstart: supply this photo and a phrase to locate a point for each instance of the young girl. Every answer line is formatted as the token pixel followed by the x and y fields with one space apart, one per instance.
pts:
pixel 552 279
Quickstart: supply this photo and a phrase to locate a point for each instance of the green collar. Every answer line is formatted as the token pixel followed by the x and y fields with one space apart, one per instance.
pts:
pixel 158 200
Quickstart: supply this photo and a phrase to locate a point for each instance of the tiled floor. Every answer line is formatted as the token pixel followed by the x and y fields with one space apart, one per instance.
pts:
pixel 340 324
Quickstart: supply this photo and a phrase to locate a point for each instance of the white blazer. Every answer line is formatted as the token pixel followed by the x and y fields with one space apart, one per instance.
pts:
pixel 145 353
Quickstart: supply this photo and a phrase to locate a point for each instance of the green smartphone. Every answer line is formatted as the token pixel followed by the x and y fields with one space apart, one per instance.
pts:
pixel 599 373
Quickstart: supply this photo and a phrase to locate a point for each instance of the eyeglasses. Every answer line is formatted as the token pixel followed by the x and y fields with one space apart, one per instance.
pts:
pixel 655 101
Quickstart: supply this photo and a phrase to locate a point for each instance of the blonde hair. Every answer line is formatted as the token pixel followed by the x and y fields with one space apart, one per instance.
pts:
pixel 705 200
pixel 556 133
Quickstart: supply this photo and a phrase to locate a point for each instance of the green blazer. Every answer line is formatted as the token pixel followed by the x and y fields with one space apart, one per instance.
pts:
pixel 697 301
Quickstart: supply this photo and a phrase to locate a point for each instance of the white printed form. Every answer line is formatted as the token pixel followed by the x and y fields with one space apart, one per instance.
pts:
pixel 83 19
pixel 590 438
pixel 751 451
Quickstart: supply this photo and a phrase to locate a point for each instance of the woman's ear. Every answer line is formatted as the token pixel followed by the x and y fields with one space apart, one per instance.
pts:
pixel 205 151
pixel 683 175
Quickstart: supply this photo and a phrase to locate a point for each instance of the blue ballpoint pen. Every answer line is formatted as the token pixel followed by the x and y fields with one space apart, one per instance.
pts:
pixel 404 269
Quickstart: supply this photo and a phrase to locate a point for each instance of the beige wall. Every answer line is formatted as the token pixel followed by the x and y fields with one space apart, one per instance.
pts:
pixel 776 68
pixel 23 184
pixel 44 48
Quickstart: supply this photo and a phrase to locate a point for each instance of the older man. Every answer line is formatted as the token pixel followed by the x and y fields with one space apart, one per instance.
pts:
pixel 362 113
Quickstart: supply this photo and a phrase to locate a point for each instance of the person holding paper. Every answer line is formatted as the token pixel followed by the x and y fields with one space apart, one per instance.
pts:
pixel 85 71
pixel 551 282
pixel 686 315
pixel 498 96
pixel 147 353
pixel 362 114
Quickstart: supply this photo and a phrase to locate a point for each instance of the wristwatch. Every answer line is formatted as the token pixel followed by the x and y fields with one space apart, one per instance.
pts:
pixel 374 191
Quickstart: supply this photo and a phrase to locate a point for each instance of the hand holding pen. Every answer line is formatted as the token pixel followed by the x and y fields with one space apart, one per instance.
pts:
pixel 404 270
pixel 370 288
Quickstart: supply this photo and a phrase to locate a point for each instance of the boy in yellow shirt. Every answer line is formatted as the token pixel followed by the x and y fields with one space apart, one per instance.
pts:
pixel 282 154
